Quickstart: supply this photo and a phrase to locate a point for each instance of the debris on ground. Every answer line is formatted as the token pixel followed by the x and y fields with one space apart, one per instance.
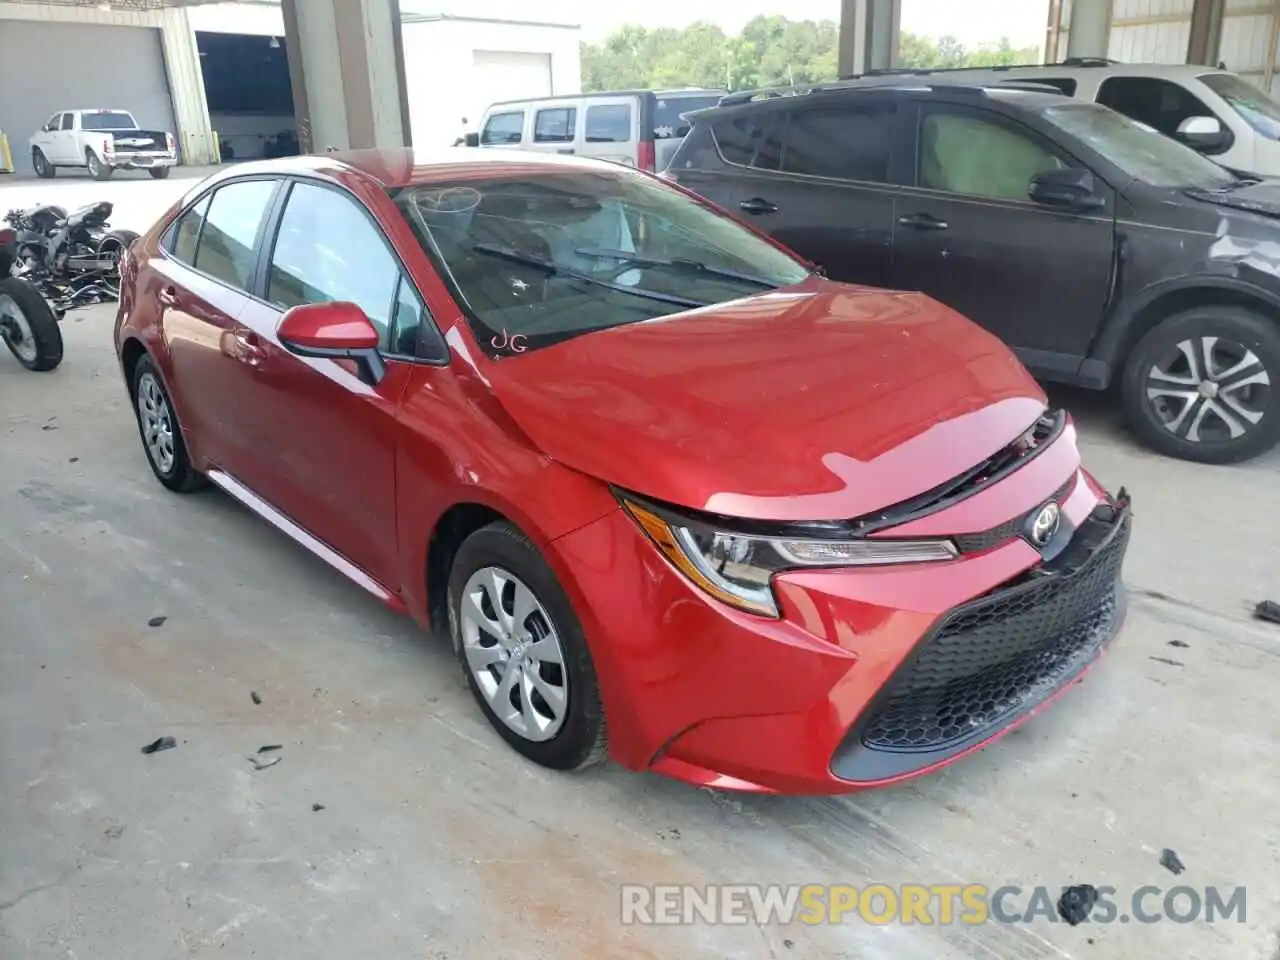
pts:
pixel 272 751
pixel 156 621
pixel 788 943
pixel 73 460
pixel 115 831
pixel 253 695
pixel 1171 861
pixel 1268 610
pixel 270 748
pixel 52 424
pixel 317 807
pixel 1076 903
pixel 1179 643
pixel 1172 663
pixel 163 743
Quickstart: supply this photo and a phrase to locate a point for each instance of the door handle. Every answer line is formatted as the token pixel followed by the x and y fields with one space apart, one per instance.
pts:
pixel 758 205
pixel 249 347
pixel 922 221
pixel 168 297
pixel 565 150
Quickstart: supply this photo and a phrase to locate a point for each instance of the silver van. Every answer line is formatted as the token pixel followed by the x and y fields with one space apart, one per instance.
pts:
pixel 640 128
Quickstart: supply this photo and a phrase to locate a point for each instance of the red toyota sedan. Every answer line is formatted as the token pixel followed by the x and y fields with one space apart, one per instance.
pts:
pixel 677 498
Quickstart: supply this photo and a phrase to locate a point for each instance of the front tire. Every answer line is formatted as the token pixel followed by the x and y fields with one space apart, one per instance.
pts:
pixel 97 169
pixel 160 431
pixel 44 169
pixel 1204 385
pixel 28 326
pixel 158 173
pixel 523 652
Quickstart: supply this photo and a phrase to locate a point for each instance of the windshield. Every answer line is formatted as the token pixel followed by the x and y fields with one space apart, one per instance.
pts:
pixel 1138 150
pixel 107 120
pixel 537 257
pixel 1258 110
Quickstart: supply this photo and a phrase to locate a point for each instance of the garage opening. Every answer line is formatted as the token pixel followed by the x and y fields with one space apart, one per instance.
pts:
pixel 246 83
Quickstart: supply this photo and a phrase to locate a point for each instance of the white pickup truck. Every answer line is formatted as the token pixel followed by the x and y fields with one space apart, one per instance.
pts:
pixel 103 141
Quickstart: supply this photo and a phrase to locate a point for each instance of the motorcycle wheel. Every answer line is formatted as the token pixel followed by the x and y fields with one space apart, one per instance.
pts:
pixel 28 326
pixel 115 244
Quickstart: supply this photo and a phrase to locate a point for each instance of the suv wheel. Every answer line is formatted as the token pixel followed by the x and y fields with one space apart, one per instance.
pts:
pixel 1204 385
pixel 522 650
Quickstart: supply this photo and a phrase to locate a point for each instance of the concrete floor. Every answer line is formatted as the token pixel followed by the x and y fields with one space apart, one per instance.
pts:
pixel 437 841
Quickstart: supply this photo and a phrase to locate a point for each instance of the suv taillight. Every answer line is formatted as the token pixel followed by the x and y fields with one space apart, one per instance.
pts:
pixel 7 236
pixel 168 141
pixel 648 156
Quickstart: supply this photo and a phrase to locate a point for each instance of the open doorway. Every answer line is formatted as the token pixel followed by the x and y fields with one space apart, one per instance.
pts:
pixel 246 83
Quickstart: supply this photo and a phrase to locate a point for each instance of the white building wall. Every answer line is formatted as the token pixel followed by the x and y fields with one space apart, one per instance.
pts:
pixel 439 60
pixel 182 63
pixel 254 19
pixel 1150 31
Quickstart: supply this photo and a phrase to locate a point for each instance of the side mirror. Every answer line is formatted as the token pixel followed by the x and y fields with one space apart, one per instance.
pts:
pixel 334 331
pixel 473 139
pixel 1202 133
pixel 1070 189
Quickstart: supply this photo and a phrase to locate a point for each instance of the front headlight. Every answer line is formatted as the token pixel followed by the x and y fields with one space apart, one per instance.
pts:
pixel 738 568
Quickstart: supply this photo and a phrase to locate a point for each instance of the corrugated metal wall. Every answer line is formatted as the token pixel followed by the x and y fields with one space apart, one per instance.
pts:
pixel 1150 31
pixel 1249 40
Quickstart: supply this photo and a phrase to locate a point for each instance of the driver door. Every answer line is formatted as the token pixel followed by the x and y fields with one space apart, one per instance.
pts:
pixel 968 234
pixel 325 442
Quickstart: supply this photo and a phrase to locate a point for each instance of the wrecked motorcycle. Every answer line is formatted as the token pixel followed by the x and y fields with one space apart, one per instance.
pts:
pixel 27 324
pixel 72 259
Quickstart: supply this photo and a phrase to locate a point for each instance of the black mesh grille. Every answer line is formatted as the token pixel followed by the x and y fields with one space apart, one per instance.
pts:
pixel 988 539
pixel 985 659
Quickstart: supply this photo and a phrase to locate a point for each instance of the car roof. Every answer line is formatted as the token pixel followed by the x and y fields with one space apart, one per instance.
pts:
pixel 660 94
pixel 1070 68
pixel 409 166
pixel 952 87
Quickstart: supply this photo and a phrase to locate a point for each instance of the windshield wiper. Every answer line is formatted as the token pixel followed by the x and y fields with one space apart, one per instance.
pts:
pixel 680 263
pixel 555 270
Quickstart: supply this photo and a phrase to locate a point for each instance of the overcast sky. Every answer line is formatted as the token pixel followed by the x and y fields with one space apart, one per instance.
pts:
pixel 970 21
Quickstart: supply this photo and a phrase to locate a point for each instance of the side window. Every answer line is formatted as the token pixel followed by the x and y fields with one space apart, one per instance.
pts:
pixel 328 249
pixel 68 121
pixel 503 128
pixel 751 139
pixel 406 319
pixel 846 143
pixel 1150 100
pixel 968 154
pixel 555 126
pixel 186 233
pixel 53 123
pixel 226 249
pixel 609 123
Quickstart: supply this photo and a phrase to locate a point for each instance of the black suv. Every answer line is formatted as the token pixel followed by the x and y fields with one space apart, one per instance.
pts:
pixel 1097 248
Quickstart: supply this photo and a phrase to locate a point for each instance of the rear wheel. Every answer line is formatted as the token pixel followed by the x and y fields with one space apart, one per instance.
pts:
pixel 113 247
pixel 44 169
pixel 1204 385
pixel 28 326
pixel 97 169
pixel 158 173
pixel 522 650
pixel 160 431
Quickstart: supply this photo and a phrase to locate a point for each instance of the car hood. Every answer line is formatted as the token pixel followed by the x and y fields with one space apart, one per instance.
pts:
pixel 816 402
pixel 1261 198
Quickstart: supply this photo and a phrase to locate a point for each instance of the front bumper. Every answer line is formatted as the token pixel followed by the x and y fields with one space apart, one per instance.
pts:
pixel 870 676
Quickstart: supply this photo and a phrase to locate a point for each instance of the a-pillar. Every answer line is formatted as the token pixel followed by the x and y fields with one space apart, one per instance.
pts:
pixel 868 35
pixel 346 65
pixel 1089 30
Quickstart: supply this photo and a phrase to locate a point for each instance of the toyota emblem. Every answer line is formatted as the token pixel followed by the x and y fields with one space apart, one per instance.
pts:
pixel 1045 524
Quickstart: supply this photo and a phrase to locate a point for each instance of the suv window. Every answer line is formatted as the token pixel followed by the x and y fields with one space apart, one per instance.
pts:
pixel 1158 103
pixel 751 139
pixel 667 122
pixel 965 152
pixel 53 123
pixel 68 121
pixel 187 233
pixel 226 249
pixel 609 123
pixel 555 126
pixel 329 249
pixel 503 128
pixel 849 142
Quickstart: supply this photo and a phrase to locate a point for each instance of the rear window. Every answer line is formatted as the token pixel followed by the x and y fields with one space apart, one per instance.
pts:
pixel 107 120
pixel 666 115
pixel 609 123
pixel 555 126
pixel 503 128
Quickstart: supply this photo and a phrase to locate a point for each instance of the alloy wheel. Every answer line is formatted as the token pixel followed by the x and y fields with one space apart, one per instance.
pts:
pixel 1209 389
pixel 514 653
pixel 16 330
pixel 157 423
